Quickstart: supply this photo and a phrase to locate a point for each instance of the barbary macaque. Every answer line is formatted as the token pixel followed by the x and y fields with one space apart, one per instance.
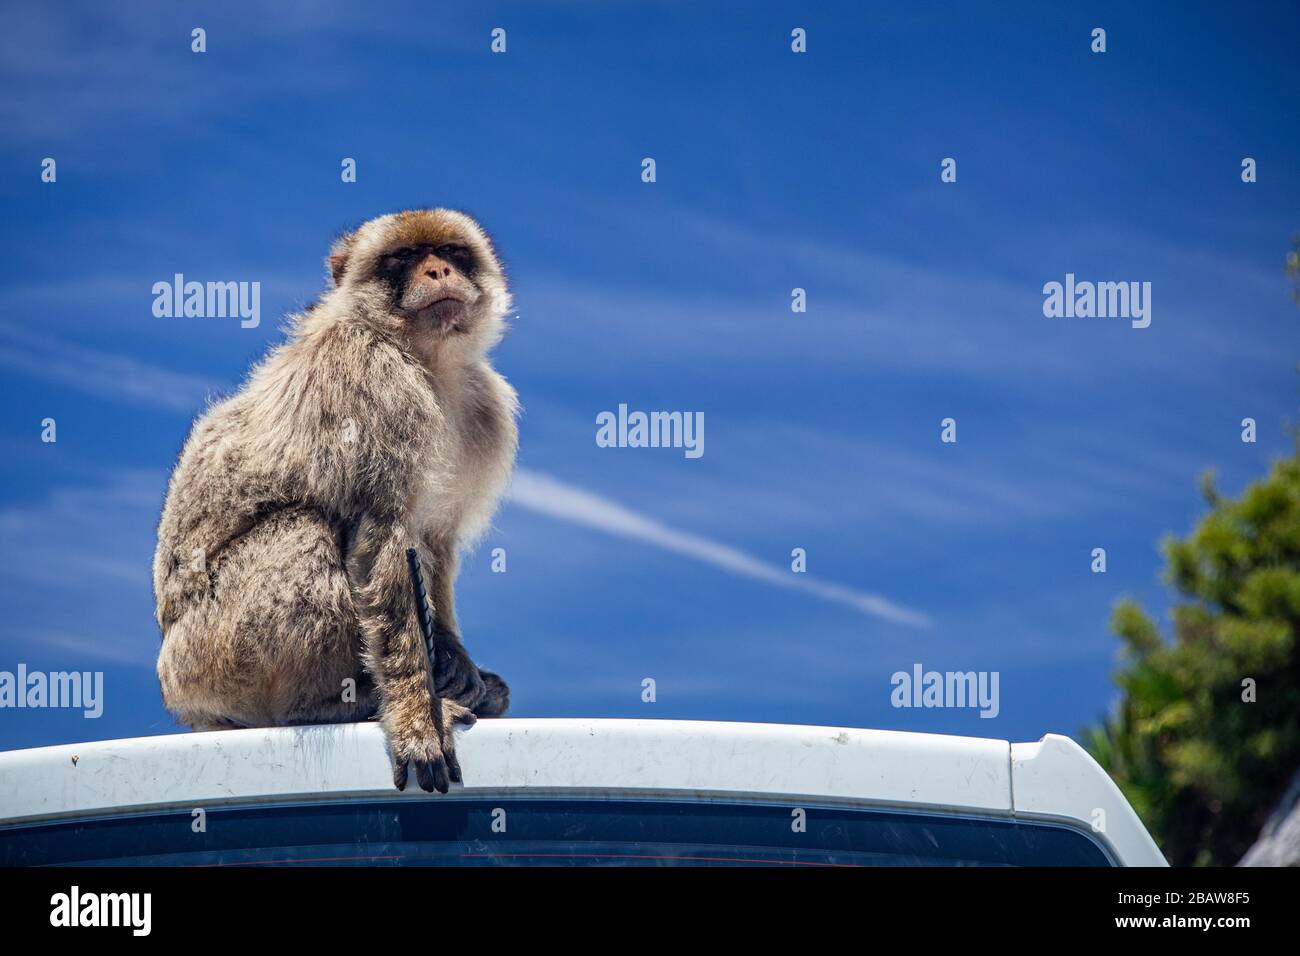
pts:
pixel 281 577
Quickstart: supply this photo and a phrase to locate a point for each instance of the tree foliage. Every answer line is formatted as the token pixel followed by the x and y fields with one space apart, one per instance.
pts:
pixel 1200 763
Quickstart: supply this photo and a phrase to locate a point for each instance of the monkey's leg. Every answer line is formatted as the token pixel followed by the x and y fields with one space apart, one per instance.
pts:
pixel 273 638
pixel 418 722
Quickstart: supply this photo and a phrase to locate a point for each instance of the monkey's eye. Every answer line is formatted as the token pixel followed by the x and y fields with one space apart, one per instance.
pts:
pixel 399 258
pixel 457 254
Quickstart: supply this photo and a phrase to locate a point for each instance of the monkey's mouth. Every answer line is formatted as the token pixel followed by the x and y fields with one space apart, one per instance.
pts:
pixel 448 314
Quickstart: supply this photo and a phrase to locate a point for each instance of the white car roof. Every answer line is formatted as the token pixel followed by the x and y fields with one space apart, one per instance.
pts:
pixel 1053 779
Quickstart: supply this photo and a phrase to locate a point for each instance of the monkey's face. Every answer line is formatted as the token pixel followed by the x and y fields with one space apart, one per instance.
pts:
pixel 430 275
pixel 433 285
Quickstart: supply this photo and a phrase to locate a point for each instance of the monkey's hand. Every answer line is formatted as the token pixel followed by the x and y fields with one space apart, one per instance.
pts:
pixel 454 674
pixel 426 742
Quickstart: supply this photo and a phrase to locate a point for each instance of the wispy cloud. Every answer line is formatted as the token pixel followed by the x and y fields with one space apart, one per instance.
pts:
pixel 99 647
pixel 74 572
pixel 101 374
pixel 99 533
pixel 549 496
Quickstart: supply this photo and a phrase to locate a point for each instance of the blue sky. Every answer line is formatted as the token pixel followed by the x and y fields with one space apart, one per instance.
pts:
pixel 774 171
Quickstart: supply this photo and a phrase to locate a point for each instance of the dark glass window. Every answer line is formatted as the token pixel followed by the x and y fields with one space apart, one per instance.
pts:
pixel 541 831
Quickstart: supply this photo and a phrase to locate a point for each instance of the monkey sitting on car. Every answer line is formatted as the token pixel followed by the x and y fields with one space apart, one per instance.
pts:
pixel 281 574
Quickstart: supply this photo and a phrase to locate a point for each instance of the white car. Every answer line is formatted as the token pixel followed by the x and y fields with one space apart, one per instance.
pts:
pixel 570 792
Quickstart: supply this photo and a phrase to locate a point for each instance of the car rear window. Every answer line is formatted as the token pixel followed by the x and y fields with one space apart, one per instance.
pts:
pixel 540 831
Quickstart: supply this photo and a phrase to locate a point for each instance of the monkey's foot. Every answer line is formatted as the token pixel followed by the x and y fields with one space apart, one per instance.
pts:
pixel 428 745
pixel 454 674
pixel 496 696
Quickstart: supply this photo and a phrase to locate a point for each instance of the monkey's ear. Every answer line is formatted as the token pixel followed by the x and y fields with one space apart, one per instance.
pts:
pixel 339 255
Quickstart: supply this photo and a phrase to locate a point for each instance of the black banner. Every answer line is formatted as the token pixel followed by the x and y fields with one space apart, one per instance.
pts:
pixel 251 905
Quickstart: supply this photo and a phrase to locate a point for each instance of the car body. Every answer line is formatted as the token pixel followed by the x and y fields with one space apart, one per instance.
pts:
pixel 570 791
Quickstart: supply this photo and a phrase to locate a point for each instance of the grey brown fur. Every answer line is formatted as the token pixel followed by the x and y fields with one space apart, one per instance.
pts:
pixel 379 425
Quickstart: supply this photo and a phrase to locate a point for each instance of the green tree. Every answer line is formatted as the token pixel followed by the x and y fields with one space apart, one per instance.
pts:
pixel 1201 765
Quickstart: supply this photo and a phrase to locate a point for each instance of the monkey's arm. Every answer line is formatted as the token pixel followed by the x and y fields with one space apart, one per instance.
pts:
pixel 419 722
